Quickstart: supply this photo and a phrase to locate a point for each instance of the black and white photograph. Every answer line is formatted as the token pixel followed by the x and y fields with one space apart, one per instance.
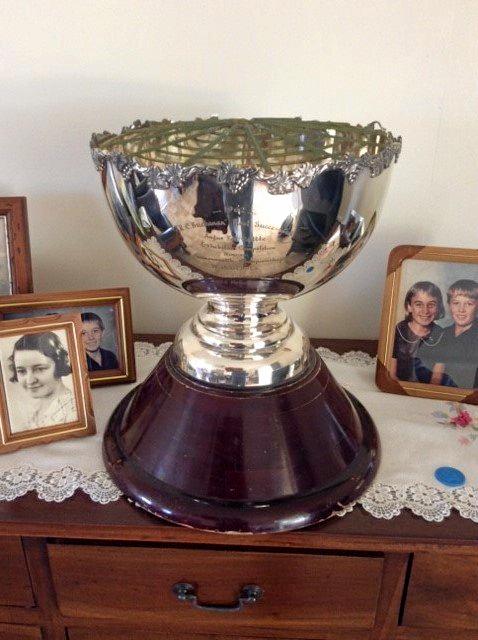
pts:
pixel 38 380
pixel 44 386
pixel 430 321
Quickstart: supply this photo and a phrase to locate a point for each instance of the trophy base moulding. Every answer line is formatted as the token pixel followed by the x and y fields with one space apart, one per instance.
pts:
pixel 241 427
pixel 255 461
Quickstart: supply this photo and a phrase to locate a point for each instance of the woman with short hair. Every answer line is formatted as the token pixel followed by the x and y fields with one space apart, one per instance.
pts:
pixel 38 364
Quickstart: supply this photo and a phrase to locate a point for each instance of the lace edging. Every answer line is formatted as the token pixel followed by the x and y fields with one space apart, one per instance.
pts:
pixel 57 486
pixel 382 501
pixel 355 358
pixel 144 349
pixel 430 503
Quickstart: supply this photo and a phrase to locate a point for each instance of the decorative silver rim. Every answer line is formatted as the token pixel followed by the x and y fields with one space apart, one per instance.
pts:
pixel 237 178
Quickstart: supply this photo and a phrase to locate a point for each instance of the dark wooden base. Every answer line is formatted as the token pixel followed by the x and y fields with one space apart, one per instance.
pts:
pixel 251 461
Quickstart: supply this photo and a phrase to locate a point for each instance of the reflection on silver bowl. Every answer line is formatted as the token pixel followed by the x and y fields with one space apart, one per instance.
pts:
pixel 245 213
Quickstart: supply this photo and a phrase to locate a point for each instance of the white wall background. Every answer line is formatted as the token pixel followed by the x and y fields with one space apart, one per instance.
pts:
pixel 69 68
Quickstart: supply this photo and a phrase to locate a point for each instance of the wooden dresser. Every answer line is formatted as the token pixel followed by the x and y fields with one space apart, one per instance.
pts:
pixel 78 570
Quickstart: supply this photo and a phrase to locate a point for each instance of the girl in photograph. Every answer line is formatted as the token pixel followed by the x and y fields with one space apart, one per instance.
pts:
pixel 418 334
pixel 38 364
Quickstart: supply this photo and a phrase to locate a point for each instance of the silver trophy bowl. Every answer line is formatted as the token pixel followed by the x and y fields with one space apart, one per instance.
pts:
pixel 241 427
pixel 245 213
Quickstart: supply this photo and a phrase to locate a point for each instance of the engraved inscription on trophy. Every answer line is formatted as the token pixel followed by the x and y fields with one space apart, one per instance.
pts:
pixel 237 241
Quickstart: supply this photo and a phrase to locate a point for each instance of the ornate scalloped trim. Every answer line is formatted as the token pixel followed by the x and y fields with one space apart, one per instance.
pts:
pixel 145 349
pixel 430 503
pixel 237 178
pixel 382 501
pixel 57 486
pixel 355 358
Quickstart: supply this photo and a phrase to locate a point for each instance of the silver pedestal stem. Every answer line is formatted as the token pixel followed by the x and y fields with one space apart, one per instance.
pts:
pixel 241 341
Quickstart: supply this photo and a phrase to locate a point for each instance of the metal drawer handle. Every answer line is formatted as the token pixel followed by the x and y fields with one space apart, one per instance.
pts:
pixel 186 592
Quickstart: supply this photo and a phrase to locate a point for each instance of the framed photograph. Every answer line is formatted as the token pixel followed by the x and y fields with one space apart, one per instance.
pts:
pixel 106 333
pixel 429 332
pixel 44 386
pixel 15 258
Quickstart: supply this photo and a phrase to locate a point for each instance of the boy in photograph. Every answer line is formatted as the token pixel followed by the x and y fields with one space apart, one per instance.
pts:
pixel 457 356
pixel 97 358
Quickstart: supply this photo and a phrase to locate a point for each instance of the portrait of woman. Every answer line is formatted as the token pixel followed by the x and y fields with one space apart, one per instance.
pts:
pixel 418 334
pixel 39 367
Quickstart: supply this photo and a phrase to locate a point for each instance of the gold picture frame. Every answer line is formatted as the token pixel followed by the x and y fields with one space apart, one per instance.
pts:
pixel 411 265
pixel 44 392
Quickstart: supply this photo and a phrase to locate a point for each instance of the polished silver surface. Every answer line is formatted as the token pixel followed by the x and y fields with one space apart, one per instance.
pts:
pixel 243 236
pixel 241 341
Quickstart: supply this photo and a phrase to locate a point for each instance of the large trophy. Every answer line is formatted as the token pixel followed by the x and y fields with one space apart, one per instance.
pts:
pixel 241 427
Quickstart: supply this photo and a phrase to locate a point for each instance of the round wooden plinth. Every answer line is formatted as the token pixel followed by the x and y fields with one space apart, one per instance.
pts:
pixel 243 462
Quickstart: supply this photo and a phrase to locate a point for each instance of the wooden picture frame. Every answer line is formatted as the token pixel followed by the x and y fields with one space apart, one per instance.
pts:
pixel 44 392
pixel 15 256
pixel 442 363
pixel 113 307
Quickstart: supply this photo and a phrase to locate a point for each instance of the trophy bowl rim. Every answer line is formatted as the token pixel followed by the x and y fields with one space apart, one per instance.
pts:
pixel 366 146
pixel 123 174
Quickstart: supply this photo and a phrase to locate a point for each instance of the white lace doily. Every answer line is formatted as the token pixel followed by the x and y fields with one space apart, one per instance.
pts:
pixel 417 436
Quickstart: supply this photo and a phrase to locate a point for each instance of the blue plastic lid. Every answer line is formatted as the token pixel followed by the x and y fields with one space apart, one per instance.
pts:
pixel 450 476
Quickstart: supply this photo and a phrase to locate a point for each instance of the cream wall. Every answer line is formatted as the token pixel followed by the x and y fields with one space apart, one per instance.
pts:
pixel 68 68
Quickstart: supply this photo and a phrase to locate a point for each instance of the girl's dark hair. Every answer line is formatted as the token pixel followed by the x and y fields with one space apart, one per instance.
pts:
pixel 47 343
pixel 432 290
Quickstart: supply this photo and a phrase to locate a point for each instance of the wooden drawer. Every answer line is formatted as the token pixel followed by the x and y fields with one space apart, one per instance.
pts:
pixel 139 633
pixel 302 592
pixel 19 632
pixel 443 592
pixel 414 633
pixel 15 586
pixel 99 633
